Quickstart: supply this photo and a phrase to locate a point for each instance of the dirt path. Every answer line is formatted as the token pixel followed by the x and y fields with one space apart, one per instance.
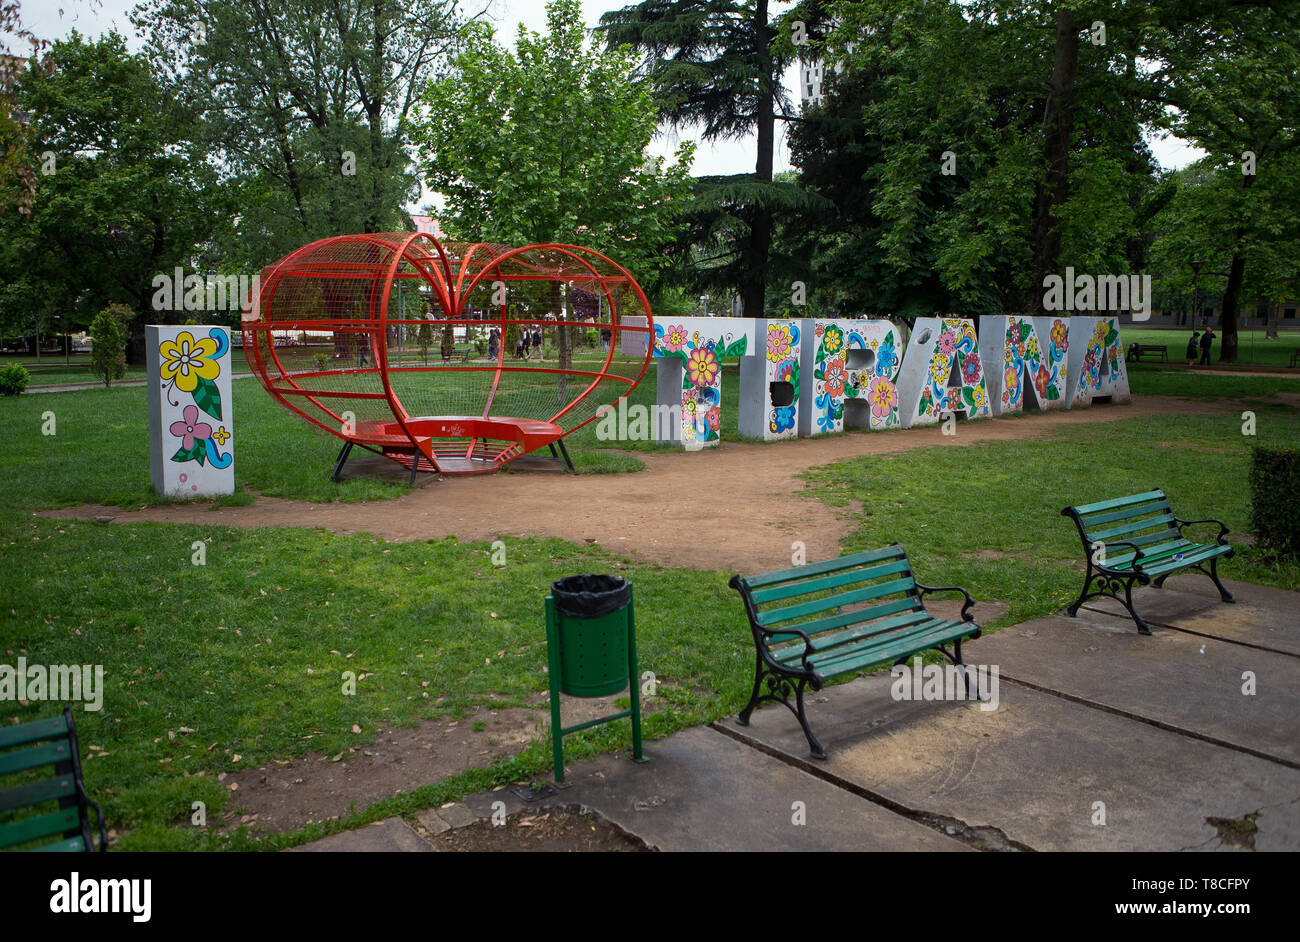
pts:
pixel 710 509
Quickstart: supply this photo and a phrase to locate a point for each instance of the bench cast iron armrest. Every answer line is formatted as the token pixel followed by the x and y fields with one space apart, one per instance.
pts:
pixel 1135 563
pixel 921 590
pixel 1223 528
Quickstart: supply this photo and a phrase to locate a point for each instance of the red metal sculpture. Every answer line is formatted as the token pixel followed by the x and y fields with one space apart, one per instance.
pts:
pixel 386 341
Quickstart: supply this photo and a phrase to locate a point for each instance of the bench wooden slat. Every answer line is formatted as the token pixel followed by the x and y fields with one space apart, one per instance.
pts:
pixel 803 609
pixel 830 565
pixel 1162 521
pixel 1096 520
pixel 71 845
pixel 1199 555
pixel 848 660
pixel 36 756
pixel 826 583
pixel 38 826
pixel 33 793
pixel 911 621
pixel 815 628
pixel 1085 509
pixel 35 731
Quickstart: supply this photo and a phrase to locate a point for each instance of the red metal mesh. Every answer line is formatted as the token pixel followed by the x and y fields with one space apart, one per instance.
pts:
pixel 350 334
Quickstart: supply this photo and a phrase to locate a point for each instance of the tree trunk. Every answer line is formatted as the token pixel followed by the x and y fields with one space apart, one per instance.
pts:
pixel 1058 127
pixel 563 343
pixel 754 290
pixel 1232 293
pixel 1270 332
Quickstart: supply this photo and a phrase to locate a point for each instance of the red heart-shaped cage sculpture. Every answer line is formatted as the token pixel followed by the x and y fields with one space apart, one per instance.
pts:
pixel 387 341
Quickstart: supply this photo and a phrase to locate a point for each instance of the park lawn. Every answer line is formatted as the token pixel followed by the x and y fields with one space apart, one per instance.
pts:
pixel 57 370
pixel 248 651
pixel 1157 379
pixel 100 450
pixel 1253 348
pixel 948 505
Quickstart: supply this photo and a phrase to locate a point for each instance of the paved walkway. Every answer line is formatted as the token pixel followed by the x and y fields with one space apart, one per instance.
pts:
pixel 1102 739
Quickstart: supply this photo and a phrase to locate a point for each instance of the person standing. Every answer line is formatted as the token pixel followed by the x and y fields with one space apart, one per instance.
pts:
pixel 1207 341
pixel 1191 349
pixel 494 343
pixel 537 343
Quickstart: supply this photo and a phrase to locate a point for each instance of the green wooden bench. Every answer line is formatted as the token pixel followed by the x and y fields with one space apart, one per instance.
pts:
pixel 824 620
pixel 1138 540
pixel 1139 350
pixel 33 746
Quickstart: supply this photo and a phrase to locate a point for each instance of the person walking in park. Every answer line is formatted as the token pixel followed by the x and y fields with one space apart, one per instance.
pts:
pixel 537 343
pixel 1207 341
pixel 494 343
pixel 1191 349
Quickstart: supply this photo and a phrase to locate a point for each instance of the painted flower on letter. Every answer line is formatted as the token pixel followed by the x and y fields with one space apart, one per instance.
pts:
pixel 191 428
pixel 778 342
pixel 702 365
pixel 970 369
pixel 835 377
pixel 883 397
pixel 675 338
pixel 186 361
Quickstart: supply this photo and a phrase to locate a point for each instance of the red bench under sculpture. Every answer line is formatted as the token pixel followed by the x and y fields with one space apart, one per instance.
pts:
pixel 350 333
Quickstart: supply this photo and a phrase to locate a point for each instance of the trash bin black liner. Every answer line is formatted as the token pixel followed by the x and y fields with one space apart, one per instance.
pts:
pixel 591 596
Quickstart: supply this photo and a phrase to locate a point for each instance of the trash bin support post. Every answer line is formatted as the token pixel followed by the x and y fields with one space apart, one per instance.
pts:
pixel 555 669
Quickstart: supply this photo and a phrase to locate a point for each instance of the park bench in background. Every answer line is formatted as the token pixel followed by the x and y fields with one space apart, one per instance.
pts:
pixel 1138 539
pixel 46 742
pixel 1140 350
pixel 824 620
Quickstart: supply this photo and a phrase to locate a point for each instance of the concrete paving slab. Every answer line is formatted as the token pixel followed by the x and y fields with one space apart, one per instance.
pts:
pixel 703 791
pixel 1036 767
pixel 1182 681
pixel 1262 616
pixel 387 836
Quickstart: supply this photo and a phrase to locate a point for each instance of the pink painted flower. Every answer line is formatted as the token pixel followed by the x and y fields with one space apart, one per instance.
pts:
pixel 675 338
pixel 883 397
pixel 191 428
pixel 947 343
pixel 714 416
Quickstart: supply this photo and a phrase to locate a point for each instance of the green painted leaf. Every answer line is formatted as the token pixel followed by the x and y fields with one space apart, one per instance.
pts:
pixel 208 398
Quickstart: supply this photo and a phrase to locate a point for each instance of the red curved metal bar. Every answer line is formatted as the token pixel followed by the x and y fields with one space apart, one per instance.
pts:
pixel 363 383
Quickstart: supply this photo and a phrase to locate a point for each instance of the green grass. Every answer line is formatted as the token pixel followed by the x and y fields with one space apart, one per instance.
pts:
pixel 1253 349
pixel 248 650
pixel 57 370
pixel 946 505
pixel 1157 379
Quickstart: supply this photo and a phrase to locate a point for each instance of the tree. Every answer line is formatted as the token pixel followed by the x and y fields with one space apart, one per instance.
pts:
pixel 129 192
pixel 17 178
pixel 1240 102
pixel 715 64
pixel 108 339
pixel 308 104
pixel 549 144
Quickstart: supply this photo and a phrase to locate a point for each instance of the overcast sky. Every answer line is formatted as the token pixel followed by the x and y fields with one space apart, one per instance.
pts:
pixel 45 19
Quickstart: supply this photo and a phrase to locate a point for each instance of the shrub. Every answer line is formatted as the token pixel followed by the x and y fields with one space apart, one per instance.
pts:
pixel 14 379
pixel 108 333
pixel 1275 499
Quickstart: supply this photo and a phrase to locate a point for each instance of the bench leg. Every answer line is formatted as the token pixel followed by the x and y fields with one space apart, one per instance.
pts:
pixel 338 465
pixel 743 718
pixel 1110 590
pixel 1214 574
pixel 817 751
pixel 1143 628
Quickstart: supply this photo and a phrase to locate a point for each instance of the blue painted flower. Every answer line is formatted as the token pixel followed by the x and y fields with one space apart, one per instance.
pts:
pixel 782 419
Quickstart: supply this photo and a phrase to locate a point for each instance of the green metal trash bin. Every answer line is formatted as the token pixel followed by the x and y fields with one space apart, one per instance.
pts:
pixel 591 651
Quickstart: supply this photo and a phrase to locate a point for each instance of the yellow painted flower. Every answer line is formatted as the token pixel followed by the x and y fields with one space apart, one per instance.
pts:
pixel 186 361
pixel 222 436
pixel 940 367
